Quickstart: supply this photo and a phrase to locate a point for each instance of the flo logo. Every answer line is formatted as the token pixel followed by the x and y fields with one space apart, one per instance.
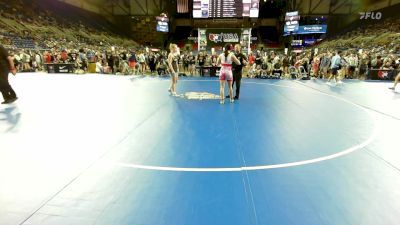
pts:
pixel 215 37
pixel 370 15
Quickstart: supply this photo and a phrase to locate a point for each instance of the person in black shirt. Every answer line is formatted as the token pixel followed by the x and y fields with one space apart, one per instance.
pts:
pixel 192 63
pixel 201 61
pixel 6 66
pixel 285 64
pixel 110 61
pixel 185 63
pixel 123 56
pixel 161 65
pixel 152 63
pixel 214 61
pixel 259 59
pixel 237 69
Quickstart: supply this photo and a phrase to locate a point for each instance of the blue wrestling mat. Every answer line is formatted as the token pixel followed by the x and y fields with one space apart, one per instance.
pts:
pixel 95 149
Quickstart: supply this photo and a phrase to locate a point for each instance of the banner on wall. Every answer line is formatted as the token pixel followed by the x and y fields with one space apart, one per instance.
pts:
pixel 297 43
pixel 246 40
pixel 291 23
pixel 312 29
pixel 305 29
pixel 218 38
pixel 288 29
pixel 202 40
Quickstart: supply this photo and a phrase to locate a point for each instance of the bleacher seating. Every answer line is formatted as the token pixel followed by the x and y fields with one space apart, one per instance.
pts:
pixel 23 43
pixel 46 21
pixel 386 34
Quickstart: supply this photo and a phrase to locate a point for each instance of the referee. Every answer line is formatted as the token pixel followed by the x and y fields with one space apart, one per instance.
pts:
pixel 237 70
pixel 6 66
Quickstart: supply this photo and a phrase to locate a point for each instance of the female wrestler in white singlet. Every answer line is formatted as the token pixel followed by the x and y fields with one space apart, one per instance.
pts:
pixel 225 60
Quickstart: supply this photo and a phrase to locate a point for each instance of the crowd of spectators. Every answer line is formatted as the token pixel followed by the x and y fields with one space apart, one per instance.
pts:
pixel 314 62
pixel 38 37
pixel 373 46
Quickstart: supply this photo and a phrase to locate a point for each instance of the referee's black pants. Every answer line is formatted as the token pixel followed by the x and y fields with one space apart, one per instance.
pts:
pixel 5 87
pixel 237 79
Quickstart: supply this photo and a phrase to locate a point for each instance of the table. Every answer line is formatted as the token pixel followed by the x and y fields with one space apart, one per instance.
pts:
pixel 212 69
pixel 59 67
pixel 382 74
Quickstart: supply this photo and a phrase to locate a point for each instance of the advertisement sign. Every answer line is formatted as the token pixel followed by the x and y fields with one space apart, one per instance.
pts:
pixel 291 23
pixel 246 40
pixel 162 24
pixel 308 42
pixel 292 18
pixel 291 29
pixel 162 18
pixel 312 29
pixel 294 22
pixel 297 43
pixel 295 13
pixel 223 37
pixel 202 40
pixel 220 37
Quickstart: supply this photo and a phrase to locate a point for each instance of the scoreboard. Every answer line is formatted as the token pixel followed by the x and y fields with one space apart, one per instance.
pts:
pixel 291 23
pixel 162 24
pixel 225 8
pixel 292 26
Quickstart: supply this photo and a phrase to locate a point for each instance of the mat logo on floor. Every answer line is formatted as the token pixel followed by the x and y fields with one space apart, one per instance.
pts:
pixel 200 95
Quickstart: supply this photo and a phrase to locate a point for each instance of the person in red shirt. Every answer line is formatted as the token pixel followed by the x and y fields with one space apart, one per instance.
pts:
pixel 251 59
pixel 64 55
pixel 47 57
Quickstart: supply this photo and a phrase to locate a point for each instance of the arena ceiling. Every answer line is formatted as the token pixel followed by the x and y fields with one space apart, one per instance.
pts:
pixel 141 13
pixel 155 7
pixel 136 17
pixel 124 7
pixel 339 7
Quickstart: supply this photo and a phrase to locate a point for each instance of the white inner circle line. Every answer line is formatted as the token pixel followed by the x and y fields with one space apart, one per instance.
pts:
pixel 263 167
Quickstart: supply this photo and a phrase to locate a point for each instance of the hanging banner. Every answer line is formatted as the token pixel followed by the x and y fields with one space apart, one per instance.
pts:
pixel 297 43
pixel 202 40
pixel 218 38
pixel 246 40
pixel 312 29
